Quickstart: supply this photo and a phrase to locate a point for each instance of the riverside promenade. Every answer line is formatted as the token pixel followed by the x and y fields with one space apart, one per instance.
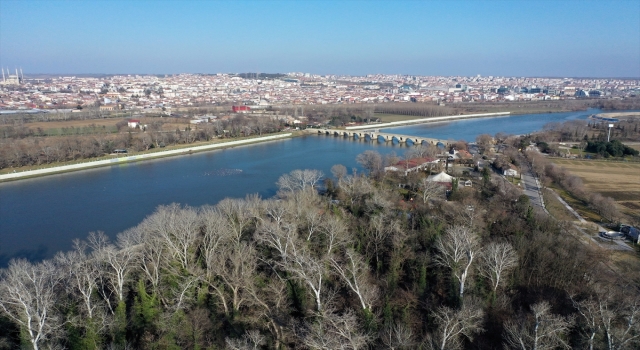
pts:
pixel 426 120
pixel 136 158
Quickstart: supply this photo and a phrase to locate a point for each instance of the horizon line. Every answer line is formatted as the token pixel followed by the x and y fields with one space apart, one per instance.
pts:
pixel 347 75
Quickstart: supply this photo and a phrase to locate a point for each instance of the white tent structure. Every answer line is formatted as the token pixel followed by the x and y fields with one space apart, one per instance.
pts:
pixel 441 178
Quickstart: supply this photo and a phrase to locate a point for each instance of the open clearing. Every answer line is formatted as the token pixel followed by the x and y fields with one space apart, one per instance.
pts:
pixel 620 181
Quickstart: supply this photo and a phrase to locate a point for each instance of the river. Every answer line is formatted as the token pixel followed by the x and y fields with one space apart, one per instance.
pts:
pixel 41 216
pixel 516 124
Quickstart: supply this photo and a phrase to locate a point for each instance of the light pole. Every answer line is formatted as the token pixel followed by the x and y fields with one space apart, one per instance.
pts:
pixel 609 134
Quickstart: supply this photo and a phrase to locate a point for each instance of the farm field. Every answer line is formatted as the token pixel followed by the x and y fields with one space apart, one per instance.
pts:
pixel 618 180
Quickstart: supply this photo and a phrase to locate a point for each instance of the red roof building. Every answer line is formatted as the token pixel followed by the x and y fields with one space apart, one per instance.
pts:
pixel 413 164
pixel 240 109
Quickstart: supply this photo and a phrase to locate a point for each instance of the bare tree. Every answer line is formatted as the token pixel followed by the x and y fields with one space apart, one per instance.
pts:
pixel 381 227
pixel 422 151
pixel 251 340
pixel 544 331
pixel 216 231
pixel 371 161
pixel 151 260
pixel 620 321
pixel 279 211
pixel 272 304
pixel 457 250
pixel 178 229
pixel 181 293
pixel 355 274
pixel 588 311
pixel 380 200
pixel 430 189
pixel 28 297
pixel 82 276
pixel 235 267
pixel 484 142
pixel 453 324
pixel 309 270
pixel 355 188
pixel 237 214
pixel 496 260
pixel 335 233
pixel 605 206
pixel 119 261
pixel 397 337
pixel 339 171
pixel 281 237
pixel 334 331
pixel 299 180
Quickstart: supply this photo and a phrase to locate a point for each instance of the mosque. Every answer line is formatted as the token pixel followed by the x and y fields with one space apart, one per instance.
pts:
pixel 10 79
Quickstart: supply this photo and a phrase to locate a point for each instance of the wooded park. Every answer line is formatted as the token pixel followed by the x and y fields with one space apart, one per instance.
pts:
pixel 358 265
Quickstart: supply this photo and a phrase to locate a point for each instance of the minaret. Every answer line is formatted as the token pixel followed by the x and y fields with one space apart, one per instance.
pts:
pixel 21 75
pixel 3 79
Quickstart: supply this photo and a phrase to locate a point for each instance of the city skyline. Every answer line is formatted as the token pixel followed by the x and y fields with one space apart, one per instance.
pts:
pixel 459 38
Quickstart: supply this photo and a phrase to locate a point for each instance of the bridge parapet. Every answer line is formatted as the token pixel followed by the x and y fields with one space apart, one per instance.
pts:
pixel 386 137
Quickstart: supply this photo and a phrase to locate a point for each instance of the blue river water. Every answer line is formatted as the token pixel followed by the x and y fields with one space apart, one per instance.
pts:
pixel 517 124
pixel 41 216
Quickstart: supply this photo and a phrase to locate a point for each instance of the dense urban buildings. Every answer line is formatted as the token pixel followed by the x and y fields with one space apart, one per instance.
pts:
pixel 139 92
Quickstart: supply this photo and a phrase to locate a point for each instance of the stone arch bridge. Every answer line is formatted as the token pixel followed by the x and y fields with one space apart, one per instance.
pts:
pixel 381 136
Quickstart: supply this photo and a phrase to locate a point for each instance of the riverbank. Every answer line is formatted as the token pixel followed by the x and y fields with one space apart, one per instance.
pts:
pixel 618 114
pixel 426 120
pixel 136 158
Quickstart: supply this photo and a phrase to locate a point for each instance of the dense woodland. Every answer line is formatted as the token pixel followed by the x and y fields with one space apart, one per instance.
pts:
pixel 376 261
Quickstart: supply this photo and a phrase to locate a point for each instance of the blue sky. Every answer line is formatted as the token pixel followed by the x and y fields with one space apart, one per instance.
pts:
pixel 454 37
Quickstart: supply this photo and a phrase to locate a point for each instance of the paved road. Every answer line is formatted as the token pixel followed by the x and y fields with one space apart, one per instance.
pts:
pixel 531 187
